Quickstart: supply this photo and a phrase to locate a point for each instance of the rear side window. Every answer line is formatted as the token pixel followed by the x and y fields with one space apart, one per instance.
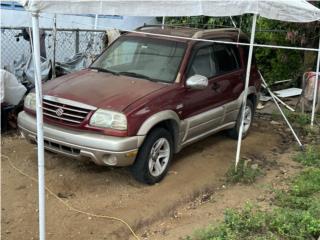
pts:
pixel 226 57
pixel 214 60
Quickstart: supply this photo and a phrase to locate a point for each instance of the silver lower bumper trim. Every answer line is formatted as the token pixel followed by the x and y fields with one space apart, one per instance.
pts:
pixel 101 149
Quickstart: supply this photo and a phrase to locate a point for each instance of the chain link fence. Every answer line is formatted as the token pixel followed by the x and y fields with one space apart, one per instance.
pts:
pixel 68 42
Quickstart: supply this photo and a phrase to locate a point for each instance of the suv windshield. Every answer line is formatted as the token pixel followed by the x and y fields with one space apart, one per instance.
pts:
pixel 142 57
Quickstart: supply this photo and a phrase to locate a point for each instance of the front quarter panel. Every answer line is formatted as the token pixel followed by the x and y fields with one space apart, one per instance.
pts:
pixel 162 105
pixel 157 118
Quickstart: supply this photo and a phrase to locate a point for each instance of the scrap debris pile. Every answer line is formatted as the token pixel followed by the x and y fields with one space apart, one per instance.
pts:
pixel 292 98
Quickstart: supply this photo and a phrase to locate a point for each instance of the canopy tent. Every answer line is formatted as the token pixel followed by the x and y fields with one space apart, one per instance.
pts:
pixel 284 10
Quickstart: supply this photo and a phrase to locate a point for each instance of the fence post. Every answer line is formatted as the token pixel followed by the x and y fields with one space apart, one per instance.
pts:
pixel 77 41
pixel 54 32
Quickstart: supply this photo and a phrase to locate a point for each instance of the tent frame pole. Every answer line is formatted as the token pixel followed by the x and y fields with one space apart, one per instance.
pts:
pixel 95 27
pixel 40 141
pixel 246 86
pixel 275 100
pixel 316 84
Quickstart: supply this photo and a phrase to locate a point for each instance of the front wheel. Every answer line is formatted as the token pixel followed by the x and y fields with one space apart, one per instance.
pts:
pixel 248 117
pixel 154 157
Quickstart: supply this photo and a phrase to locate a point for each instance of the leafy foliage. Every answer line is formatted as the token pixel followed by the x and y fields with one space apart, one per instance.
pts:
pixel 253 223
pixel 277 64
pixel 205 22
pixel 245 173
pixel 301 119
pixel 311 157
pixel 294 224
pixel 303 193
pixel 296 215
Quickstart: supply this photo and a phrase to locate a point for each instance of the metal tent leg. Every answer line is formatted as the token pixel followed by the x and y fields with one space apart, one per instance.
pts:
pixel 38 83
pixel 315 89
pixel 244 101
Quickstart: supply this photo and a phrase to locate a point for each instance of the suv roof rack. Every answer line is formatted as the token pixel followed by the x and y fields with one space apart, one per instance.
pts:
pixel 197 32
pixel 165 25
pixel 200 33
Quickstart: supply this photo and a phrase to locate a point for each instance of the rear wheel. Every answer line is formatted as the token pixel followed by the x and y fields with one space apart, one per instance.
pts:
pixel 248 117
pixel 154 157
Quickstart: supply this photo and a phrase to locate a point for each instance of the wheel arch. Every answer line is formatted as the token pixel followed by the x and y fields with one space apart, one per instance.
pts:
pixel 167 119
pixel 254 99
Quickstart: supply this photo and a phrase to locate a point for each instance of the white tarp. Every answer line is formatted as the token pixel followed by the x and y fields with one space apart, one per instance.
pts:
pixel 12 91
pixel 284 10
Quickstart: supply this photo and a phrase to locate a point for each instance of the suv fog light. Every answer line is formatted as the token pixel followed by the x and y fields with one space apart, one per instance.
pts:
pixel 110 160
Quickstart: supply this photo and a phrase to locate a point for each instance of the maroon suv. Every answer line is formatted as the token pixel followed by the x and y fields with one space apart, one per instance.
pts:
pixel 145 98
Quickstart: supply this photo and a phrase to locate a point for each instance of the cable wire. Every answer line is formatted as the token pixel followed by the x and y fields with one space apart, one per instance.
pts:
pixel 68 205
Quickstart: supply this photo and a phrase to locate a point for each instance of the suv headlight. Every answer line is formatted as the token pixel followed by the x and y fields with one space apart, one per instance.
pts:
pixel 109 119
pixel 30 101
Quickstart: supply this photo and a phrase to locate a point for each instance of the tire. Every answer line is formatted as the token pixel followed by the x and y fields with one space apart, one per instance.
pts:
pixel 234 132
pixel 146 168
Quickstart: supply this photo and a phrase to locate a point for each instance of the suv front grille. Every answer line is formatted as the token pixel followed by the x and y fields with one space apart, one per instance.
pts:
pixel 64 113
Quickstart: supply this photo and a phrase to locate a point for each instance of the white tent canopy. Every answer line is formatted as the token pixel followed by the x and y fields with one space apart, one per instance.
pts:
pixel 284 10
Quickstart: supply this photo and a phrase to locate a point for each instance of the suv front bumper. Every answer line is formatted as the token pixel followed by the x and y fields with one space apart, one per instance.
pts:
pixel 101 149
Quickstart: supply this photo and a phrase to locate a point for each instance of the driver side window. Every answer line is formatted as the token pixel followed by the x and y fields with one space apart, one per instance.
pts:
pixel 203 63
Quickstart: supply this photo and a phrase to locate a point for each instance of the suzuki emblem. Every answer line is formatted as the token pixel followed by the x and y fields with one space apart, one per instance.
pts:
pixel 59 112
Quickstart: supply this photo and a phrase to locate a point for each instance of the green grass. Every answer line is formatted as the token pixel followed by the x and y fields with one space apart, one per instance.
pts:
pixel 246 173
pixel 310 157
pixel 298 118
pixel 294 224
pixel 300 122
pixel 303 193
pixel 245 224
pixel 301 119
pixel 295 216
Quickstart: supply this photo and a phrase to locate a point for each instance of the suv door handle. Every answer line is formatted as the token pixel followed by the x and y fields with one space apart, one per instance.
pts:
pixel 215 86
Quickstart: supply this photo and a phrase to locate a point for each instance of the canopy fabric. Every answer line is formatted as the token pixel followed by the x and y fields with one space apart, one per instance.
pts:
pixel 284 10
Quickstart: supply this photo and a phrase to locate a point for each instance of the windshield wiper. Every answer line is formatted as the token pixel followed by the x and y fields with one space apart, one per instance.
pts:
pixel 137 75
pixel 104 70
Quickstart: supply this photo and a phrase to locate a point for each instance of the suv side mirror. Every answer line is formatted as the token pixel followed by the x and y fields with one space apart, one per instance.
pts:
pixel 197 82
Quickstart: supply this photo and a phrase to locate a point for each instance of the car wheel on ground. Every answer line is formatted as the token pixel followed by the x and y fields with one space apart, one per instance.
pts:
pixel 154 157
pixel 248 117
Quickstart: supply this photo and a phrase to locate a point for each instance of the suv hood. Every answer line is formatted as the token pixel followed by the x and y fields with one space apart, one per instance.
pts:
pixel 100 89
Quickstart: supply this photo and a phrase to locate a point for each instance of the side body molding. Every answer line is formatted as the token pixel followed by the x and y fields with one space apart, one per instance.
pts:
pixel 228 117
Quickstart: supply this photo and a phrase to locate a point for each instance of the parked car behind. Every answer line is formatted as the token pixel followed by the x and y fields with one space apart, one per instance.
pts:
pixel 145 98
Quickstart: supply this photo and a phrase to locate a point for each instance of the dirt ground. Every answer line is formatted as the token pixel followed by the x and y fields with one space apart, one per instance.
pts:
pixel 163 211
pixel 208 209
